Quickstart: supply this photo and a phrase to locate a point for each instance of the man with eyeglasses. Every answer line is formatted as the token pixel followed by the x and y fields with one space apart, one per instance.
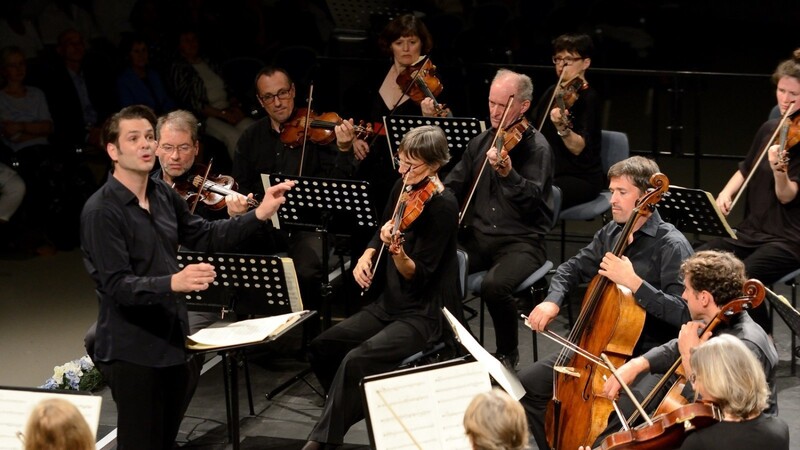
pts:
pixel 511 210
pixel 260 151
pixel 711 280
pixel 573 130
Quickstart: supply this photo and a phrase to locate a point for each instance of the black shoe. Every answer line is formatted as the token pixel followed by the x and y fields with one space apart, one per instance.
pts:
pixel 510 360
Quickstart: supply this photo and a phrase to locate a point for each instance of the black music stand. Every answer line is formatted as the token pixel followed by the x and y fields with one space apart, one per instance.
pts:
pixel 324 206
pixel 361 16
pixel 694 211
pixel 246 285
pixel 458 130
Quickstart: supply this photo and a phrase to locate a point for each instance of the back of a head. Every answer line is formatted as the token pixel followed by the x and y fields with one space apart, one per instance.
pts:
pixel 495 421
pixel 56 424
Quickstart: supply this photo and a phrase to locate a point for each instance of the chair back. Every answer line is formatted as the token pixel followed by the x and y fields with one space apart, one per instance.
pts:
pixel 614 148
pixel 463 267
pixel 556 205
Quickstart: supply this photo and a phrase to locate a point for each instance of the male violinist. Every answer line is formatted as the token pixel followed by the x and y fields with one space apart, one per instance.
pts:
pixel 130 230
pixel 574 131
pixel 649 268
pixel 511 210
pixel 260 151
pixel 711 280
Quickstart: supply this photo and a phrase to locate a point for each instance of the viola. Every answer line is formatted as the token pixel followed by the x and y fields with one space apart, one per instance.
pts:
pixel 610 322
pixel 320 128
pixel 419 82
pixel 410 205
pixel 665 431
pixel 566 95
pixel 212 193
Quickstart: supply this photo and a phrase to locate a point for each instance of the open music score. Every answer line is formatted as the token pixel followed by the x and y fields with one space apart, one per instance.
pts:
pixel 422 407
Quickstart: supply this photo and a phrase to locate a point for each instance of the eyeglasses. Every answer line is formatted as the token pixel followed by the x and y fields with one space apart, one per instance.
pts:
pixel 399 163
pixel 566 60
pixel 283 94
pixel 182 149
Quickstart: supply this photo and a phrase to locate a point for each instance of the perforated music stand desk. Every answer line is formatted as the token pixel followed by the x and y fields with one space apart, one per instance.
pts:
pixel 358 16
pixel 458 130
pixel 245 285
pixel 694 211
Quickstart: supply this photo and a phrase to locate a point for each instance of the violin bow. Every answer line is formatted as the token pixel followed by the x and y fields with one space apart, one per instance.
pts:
pixel 463 211
pixel 786 114
pixel 546 112
pixel 305 127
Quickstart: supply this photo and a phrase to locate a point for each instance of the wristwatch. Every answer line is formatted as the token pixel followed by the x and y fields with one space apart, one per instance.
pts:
pixel 566 132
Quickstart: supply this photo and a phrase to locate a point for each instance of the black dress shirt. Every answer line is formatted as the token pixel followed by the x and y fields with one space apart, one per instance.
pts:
pixel 657 251
pixel 130 254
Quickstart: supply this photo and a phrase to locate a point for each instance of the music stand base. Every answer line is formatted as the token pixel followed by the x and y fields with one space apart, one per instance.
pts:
pixel 300 376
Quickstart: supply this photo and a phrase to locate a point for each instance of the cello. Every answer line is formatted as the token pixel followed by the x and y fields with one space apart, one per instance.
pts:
pixel 610 322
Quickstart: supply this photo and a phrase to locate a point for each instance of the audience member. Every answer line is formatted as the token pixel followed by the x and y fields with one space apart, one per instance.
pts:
pixel 56 424
pixel 59 16
pixel 421 271
pixel 139 84
pixel 12 191
pixel 495 421
pixel 198 86
pixel 131 229
pixel 511 210
pixel 18 31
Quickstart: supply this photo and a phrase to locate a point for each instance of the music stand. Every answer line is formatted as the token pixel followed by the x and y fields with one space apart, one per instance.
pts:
pixel 458 130
pixel 694 211
pixel 358 16
pixel 324 206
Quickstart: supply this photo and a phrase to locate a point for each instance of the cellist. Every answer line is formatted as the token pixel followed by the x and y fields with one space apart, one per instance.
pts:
pixel 711 280
pixel 649 268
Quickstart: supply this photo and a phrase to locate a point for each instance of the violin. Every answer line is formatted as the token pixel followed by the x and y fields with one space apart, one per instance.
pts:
pixel 510 136
pixel 410 205
pixel 566 96
pixel 320 128
pixel 667 430
pixel 212 193
pixel 419 82
pixel 788 137
pixel 610 322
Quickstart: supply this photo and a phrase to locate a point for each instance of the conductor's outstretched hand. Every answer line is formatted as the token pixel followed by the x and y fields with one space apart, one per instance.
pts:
pixel 273 199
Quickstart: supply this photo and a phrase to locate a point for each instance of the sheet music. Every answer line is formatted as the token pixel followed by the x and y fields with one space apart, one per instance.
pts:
pixel 226 334
pixel 292 285
pixel 16 407
pixel 505 378
pixel 424 408
pixel 265 182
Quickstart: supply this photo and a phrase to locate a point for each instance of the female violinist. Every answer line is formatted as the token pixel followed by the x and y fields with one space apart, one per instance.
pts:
pixel 726 372
pixel 421 276
pixel 712 280
pixel 648 268
pixel 768 239
pixel 568 115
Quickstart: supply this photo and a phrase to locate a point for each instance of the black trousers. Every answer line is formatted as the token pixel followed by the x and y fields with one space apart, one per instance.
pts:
pixel 341 356
pixel 150 403
pixel 509 260
pixel 767 263
pixel 537 379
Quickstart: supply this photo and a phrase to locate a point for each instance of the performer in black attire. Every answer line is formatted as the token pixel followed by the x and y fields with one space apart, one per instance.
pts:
pixel 130 231
pixel 511 210
pixel 421 277
pixel 576 141
pixel 768 239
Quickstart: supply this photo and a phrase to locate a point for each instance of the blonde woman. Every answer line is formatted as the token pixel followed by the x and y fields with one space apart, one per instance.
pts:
pixel 495 421
pixel 726 373
pixel 56 424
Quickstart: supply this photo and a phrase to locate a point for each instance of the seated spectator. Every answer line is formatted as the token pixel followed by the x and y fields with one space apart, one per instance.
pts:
pixel 61 15
pixel 199 87
pixel 12 190
pixel 139 84
pixel 495 421
pixel 17 31
pixel 56 424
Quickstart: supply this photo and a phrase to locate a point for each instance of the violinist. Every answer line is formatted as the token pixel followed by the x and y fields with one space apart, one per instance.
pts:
pixel 261 151
pixel 512 206
pixel 569 112
pixel 768 239
pixel 711 280
pixel 421 272
pixel 727 374
pixel 649 268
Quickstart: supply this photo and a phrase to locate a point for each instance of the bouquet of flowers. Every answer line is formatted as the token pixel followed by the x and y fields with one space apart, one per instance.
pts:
pixel 76 375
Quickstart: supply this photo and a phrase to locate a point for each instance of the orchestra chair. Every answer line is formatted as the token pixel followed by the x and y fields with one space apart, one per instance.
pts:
pixel 790 280
pixel 614 147
pixel 529 285
pixel 422 356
